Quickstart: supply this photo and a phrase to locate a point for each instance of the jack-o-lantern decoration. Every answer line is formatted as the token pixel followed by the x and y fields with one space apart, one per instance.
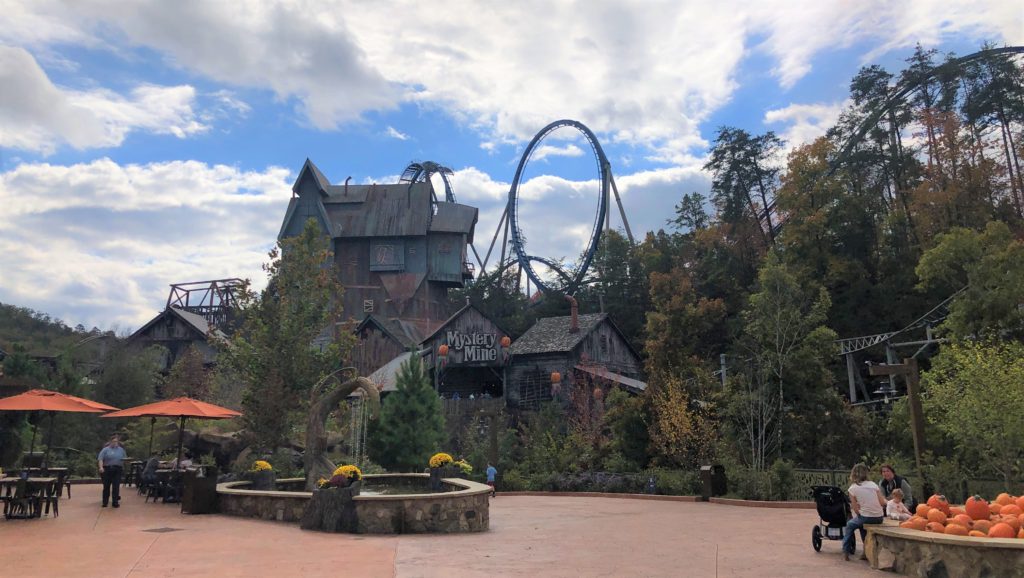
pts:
pixel 442 355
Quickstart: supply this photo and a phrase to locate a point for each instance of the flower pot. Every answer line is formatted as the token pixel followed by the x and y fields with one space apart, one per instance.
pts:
pixel 263 481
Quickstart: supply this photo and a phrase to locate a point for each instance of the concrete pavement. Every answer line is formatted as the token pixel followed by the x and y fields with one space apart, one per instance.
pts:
pixel 529 536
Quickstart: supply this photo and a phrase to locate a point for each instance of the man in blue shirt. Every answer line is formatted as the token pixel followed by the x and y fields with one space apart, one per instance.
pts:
pixel 491 474
pixel 111 462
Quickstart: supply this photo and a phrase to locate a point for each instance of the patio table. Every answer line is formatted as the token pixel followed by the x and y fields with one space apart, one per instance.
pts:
pixel 42 487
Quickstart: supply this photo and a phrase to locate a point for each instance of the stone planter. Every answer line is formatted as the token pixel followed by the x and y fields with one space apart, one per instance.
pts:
pixel 262 481
pixel 437 474
pixel 332 510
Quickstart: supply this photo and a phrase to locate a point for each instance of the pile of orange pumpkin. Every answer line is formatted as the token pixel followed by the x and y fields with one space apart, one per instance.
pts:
pixel 1002 518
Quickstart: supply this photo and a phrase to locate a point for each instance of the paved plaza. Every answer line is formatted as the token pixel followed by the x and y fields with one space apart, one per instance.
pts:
pixel 530 536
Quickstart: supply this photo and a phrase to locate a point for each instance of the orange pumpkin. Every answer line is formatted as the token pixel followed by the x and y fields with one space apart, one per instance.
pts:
pixel 995 509
pixel 1020 502
pixel 1020 534
pixel 1002 530
pixel 915 523
pixel 956 530
pixel 1011 521
pixel 937 515
pixel 977 534
pixel 977 508
pixel 939 501
pixel 957 510
pixel 1010 510
pixel 922 510
pixel 937 527
pixel 963 520
pixel 1004 499
pixel 982 526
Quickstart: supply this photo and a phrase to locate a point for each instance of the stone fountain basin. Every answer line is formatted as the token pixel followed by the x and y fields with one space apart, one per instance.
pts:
pixel 919 553
pixel 463 508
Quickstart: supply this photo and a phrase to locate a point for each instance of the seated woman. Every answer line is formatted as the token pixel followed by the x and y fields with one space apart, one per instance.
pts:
pixel 890 482
pixel 868 507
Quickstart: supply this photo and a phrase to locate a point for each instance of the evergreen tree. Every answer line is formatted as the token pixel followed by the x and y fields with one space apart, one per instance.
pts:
pixel 289 339
pixel 411 423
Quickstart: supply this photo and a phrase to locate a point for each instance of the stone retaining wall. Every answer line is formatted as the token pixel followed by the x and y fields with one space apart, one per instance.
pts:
pixel 464 510
pixel 917 553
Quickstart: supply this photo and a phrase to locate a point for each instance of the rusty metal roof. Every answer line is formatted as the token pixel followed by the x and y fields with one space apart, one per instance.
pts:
pixel 455 218
pixel 389 211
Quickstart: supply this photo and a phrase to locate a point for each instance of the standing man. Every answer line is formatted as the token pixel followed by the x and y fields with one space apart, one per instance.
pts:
pixel 491 474
pixel 111 460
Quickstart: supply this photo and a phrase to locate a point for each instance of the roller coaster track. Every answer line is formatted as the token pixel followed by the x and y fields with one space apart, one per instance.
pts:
pixel 931 319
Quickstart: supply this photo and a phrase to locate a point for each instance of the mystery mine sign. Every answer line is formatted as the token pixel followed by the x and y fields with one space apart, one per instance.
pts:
pixel 474 346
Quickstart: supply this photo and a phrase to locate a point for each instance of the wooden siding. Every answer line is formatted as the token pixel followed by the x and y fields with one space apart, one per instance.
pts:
pixel 374 349
pixel 528 377
pixel 604 346
pixel 472 339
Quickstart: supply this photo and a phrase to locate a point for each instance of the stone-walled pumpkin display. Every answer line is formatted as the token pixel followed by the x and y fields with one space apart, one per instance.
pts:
pixel 978 518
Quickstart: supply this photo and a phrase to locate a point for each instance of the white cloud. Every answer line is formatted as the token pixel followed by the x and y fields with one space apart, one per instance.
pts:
pixel 802 123
pixel 569 150
pixel 36 115
pixel 647 75
pixel 396 134
pixel 116 236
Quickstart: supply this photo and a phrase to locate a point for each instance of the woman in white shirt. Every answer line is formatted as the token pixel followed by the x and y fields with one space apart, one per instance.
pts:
pixel 868 506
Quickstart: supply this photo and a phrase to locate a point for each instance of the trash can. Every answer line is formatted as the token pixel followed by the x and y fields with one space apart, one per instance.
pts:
pixel 712 481
pixel 199 495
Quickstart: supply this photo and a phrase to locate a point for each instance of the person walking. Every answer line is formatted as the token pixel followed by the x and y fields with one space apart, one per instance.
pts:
pixel 492 473
pixel 111 462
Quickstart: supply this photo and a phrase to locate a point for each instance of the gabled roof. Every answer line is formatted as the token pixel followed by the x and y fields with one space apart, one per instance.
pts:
pixel 455 316
pixel 196 322
pixel 551 334
pixel 321 181
pixel 403 332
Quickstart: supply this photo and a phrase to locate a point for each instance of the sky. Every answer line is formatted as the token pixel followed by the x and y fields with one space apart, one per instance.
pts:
pixel 146 142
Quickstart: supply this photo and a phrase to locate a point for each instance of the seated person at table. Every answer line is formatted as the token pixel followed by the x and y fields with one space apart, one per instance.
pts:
pixel 186 462
pixel 149 471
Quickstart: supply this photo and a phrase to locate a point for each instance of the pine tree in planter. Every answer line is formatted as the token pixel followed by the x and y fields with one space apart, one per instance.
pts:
pixel 411 424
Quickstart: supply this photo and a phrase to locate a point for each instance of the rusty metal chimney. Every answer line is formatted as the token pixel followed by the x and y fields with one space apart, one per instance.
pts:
pixel 574 309
pixel 346 185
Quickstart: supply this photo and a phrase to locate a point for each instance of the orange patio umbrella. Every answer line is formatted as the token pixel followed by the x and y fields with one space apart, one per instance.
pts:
pixel 51 401
pixel 179 407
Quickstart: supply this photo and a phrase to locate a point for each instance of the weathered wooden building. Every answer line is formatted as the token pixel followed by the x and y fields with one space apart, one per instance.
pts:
pixel 580 348
pixel 176 330
pixel 398 252
pixel 468 355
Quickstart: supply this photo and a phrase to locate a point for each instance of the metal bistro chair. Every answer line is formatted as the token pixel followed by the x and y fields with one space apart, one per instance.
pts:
pixel 49 497
pixel 22 504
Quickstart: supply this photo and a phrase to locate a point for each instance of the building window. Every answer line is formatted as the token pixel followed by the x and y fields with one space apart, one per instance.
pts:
pixel 367 305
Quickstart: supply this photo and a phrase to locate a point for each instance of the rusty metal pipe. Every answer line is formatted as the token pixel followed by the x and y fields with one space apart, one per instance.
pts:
pixel 574 310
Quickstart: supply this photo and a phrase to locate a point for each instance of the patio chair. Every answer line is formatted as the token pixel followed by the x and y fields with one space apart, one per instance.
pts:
pixel 22 504
pixel 49 497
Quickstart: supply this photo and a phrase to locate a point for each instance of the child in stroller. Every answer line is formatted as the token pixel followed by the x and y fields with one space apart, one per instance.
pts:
pixel 833 507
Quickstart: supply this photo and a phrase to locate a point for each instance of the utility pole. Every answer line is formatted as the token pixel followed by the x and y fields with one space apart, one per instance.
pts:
pixel 909 371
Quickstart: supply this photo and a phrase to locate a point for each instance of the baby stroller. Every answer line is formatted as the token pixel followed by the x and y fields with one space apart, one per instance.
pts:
pixel 834 510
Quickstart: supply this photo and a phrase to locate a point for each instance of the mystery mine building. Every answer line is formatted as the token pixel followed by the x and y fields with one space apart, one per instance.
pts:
pixel 398 251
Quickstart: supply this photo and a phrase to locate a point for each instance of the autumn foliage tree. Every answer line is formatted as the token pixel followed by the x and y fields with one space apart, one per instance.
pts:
pixel 290 336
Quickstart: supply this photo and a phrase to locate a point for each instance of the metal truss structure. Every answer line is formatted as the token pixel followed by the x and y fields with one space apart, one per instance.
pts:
pixel 212 299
